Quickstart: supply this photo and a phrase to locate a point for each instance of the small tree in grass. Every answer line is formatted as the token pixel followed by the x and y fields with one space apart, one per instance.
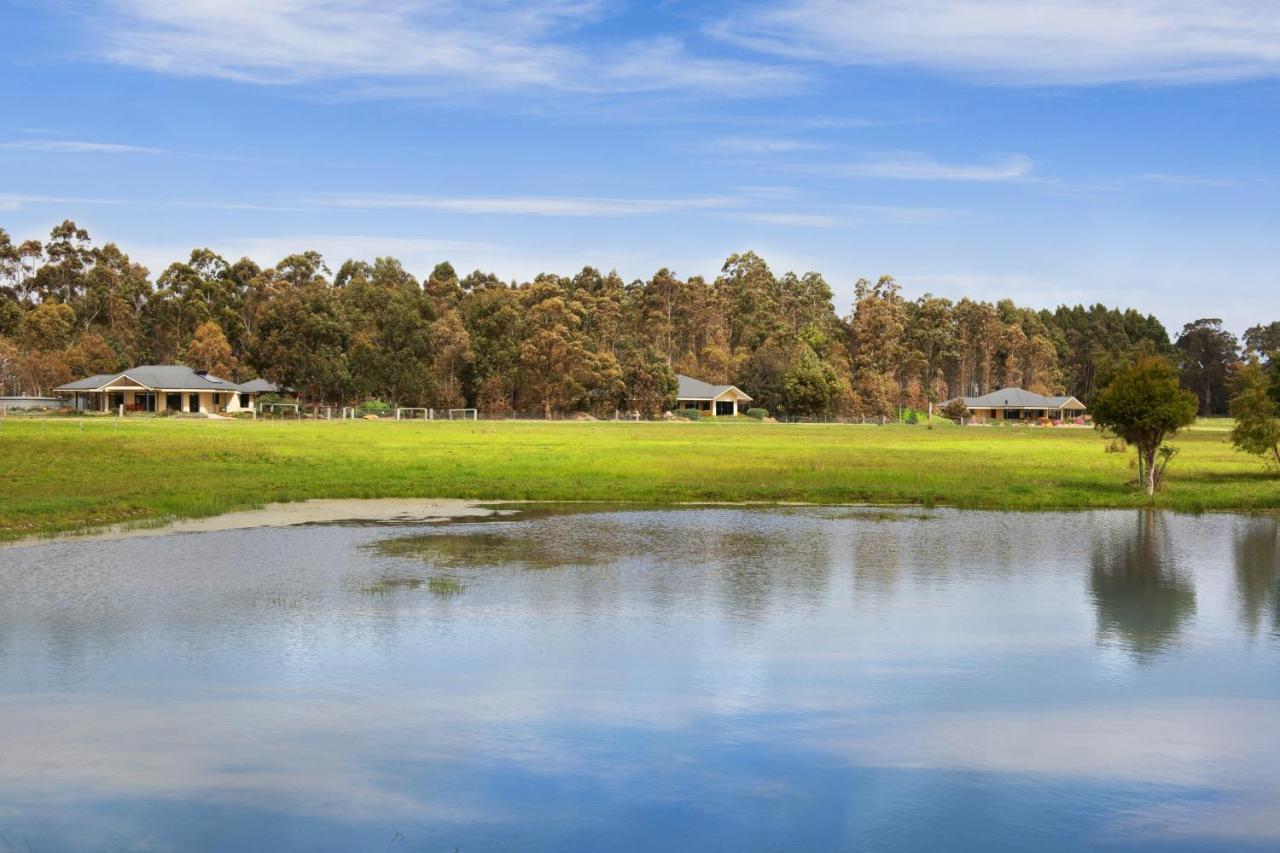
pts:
pixel 955 409
pixel 1257 415
pixel 1145 405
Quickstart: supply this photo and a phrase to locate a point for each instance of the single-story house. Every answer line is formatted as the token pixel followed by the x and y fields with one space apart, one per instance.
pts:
pixel 709 399
pixel 1016 404
pixel 163 387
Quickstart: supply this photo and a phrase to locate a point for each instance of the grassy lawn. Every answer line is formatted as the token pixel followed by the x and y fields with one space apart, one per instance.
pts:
pixel 62 474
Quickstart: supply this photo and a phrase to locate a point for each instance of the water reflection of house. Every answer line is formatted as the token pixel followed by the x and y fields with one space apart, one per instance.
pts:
pixel 709 399
pixel 161 388
pixel 1016 404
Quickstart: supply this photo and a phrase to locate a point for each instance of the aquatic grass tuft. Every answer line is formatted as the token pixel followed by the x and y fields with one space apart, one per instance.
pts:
pixel 441 587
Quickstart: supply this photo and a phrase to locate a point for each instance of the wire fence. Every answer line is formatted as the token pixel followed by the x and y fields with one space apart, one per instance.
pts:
pixel 291 413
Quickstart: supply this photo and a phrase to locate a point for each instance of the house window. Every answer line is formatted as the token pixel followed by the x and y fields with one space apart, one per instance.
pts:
pixel 193 402
pixel 217 399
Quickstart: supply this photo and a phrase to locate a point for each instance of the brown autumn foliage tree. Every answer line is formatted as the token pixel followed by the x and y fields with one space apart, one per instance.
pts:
pixel 210 351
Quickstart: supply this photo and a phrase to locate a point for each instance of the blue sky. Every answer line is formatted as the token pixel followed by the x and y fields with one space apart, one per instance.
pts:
pixel 1076 151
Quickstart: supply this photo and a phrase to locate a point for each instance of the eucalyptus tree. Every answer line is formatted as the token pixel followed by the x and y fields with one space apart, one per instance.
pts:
pixel 1206 352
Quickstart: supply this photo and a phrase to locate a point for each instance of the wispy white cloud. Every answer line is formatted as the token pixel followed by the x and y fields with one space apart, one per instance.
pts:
pixel 81 147
pixel 908 215
pixel 912 166
pixel 796 220
pixel 10 201
pixel 1194 181
pixel 527 205
pixel 763 145
pixel 20 202
pixel 391 48
pixel 1020 42
pixel 851 215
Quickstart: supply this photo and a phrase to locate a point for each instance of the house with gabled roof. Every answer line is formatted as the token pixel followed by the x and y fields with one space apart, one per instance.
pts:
pixel 161 388
pixel 1018 404
pixel 712 400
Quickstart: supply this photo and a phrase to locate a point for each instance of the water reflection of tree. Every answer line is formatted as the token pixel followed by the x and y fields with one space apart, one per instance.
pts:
pixel 521 548
pixel 1257 558
pixel 757 569
pixel 1142 598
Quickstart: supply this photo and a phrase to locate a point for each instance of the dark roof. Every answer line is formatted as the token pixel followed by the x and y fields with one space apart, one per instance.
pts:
pixel 87 384
pixel 259 386
pixel 1017 398
pixel 695 389
pixel 166 377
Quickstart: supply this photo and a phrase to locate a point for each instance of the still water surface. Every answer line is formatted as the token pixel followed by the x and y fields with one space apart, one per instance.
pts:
pixel 801 679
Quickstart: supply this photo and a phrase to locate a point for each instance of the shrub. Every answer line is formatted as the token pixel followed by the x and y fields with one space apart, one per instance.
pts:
pixel 691 414
pixel 758 413
pixel 913 417
pixel 955 409
pixel 374 407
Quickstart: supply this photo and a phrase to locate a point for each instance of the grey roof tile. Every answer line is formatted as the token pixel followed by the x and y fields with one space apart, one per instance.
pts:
pixel 695 389
pixel 164 377
pixel 1016 398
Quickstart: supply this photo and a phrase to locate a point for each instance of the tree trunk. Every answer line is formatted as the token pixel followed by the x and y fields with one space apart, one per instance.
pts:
pixel 1150 473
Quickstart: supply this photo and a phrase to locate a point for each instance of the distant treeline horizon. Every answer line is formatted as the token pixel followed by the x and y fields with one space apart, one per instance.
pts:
pixel 558 344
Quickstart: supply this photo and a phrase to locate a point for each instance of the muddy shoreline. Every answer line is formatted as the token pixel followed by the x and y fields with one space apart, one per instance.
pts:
pixel 317 511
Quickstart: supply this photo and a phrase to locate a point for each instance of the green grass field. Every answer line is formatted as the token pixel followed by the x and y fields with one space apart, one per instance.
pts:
pixel 70 473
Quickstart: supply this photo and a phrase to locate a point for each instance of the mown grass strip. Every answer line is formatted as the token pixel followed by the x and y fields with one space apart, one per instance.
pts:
pixel 59 476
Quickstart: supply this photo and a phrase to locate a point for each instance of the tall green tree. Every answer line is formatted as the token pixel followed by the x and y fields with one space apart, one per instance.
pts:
pixel 650 382
pixel 303 339
pixel 1146 405
pixel 878 331
pixel 810 386
pixel 1263 341
pixel 1206 354
pixel 1256 414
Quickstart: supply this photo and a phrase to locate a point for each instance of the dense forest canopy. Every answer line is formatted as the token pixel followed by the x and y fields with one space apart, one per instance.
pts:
pixel 556 344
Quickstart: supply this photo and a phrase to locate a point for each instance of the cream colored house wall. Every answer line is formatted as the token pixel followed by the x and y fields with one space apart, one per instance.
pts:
pixel 709 406
pixel 230 400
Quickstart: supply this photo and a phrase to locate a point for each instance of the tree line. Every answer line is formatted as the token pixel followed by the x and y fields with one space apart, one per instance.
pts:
pixel 559 344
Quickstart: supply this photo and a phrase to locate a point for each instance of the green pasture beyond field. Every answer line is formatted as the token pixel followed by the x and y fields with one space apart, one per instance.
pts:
pixel 71 473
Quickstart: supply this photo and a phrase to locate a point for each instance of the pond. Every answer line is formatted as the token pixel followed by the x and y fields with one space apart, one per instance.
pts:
pixel 685 679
